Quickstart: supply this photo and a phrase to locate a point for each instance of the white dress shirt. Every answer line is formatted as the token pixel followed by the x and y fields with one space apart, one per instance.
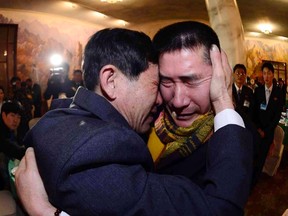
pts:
pixel 227 116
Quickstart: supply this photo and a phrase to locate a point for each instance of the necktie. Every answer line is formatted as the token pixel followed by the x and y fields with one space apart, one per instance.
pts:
pixel 239 95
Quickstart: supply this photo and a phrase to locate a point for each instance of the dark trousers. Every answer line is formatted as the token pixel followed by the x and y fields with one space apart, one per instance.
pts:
pixel 261 157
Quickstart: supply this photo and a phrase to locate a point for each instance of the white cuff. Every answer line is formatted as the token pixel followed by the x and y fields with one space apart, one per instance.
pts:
pixel 227 116
pixel 64 214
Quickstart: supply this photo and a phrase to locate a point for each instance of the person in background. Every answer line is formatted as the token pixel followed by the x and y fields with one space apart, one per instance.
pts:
pixel 77 79
pixel 242 94
pixel 274 82
pixel 259 81
pixel 252 84
pixel 283 88
pixel 20 94
pixel 59 85
pixel 244 105
pixel 2 97
pixel 34 90
pixel 10 143
pixel 267 112
pixel 150 193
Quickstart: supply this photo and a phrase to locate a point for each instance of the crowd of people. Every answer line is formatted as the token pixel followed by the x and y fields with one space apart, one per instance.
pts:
pixel 188 141
pixel 262 106
pixel 19 107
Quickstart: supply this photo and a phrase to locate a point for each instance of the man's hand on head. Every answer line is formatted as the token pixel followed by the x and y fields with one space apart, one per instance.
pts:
pixel 221 82
pixel 30 188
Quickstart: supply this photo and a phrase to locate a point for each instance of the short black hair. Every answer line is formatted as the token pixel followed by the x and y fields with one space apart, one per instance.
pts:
pixel 186 35
pixel 130 51
pixel 12 106
pixel 269 66
pixel 14 79
pixel 239 66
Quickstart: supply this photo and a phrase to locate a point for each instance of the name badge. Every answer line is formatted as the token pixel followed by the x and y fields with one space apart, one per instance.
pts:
pixel 263 106
pixel 246 103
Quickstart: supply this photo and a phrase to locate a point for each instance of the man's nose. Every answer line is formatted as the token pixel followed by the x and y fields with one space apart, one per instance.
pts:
pixel 179 97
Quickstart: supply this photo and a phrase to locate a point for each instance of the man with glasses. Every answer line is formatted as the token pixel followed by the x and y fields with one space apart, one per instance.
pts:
pixel 242 94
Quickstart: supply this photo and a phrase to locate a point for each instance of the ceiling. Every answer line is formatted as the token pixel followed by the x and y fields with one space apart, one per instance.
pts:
pixel 140 12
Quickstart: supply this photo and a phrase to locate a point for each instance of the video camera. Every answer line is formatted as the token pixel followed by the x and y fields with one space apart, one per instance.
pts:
pixel 56 71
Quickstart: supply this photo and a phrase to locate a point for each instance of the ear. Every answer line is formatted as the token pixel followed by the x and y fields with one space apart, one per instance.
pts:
pixel 3 116
pixel 107 80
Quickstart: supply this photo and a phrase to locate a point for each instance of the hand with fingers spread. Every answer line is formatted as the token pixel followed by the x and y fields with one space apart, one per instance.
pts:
pixel 30 187
pixel 221 82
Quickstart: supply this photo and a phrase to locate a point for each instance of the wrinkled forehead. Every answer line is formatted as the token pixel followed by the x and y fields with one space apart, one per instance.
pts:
pixel 184 62
pixel 200 51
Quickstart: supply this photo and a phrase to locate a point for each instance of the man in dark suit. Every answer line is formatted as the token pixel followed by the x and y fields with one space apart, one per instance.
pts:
pixel 34 90
pixel 10 143
pixel 242 94
pixel 100 166
pixel 267 112
pixel 244 104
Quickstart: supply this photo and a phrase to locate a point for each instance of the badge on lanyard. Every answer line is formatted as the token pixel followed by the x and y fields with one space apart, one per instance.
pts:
pixel 246 103
pixel 263 106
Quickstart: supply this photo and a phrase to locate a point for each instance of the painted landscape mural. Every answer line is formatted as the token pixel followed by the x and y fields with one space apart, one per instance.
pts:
pixel 40 36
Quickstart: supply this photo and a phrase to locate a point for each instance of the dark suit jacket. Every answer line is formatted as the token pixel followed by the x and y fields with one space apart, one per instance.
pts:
pixel 93 163
pixel 246 102
pixel 10 144
pixel 198 158
pixel 268 119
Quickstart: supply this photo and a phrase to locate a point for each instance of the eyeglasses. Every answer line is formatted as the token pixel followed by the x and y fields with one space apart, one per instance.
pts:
pixel 240 73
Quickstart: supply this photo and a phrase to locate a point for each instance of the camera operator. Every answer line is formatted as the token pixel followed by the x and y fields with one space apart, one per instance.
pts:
pixel 59 85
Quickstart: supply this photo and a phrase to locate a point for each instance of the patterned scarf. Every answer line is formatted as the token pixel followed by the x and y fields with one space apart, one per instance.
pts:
pixel 180 142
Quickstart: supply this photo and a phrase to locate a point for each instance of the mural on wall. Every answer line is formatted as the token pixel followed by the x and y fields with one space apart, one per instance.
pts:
pixel 263 49
pixel 42 35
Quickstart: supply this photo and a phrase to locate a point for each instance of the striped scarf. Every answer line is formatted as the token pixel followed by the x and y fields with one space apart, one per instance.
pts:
pixel 180 142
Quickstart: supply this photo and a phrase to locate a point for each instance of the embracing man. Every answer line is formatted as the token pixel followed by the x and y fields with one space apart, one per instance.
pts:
pixel 101 166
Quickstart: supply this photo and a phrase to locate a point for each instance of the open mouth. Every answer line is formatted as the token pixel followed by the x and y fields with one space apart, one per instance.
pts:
pixel 180 116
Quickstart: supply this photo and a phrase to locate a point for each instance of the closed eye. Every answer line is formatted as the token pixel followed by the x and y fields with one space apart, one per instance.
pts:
pixel 166 82
pixel 195 82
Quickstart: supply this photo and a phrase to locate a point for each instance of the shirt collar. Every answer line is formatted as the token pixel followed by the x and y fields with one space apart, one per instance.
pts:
pixel 237 88
pixel 270 89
